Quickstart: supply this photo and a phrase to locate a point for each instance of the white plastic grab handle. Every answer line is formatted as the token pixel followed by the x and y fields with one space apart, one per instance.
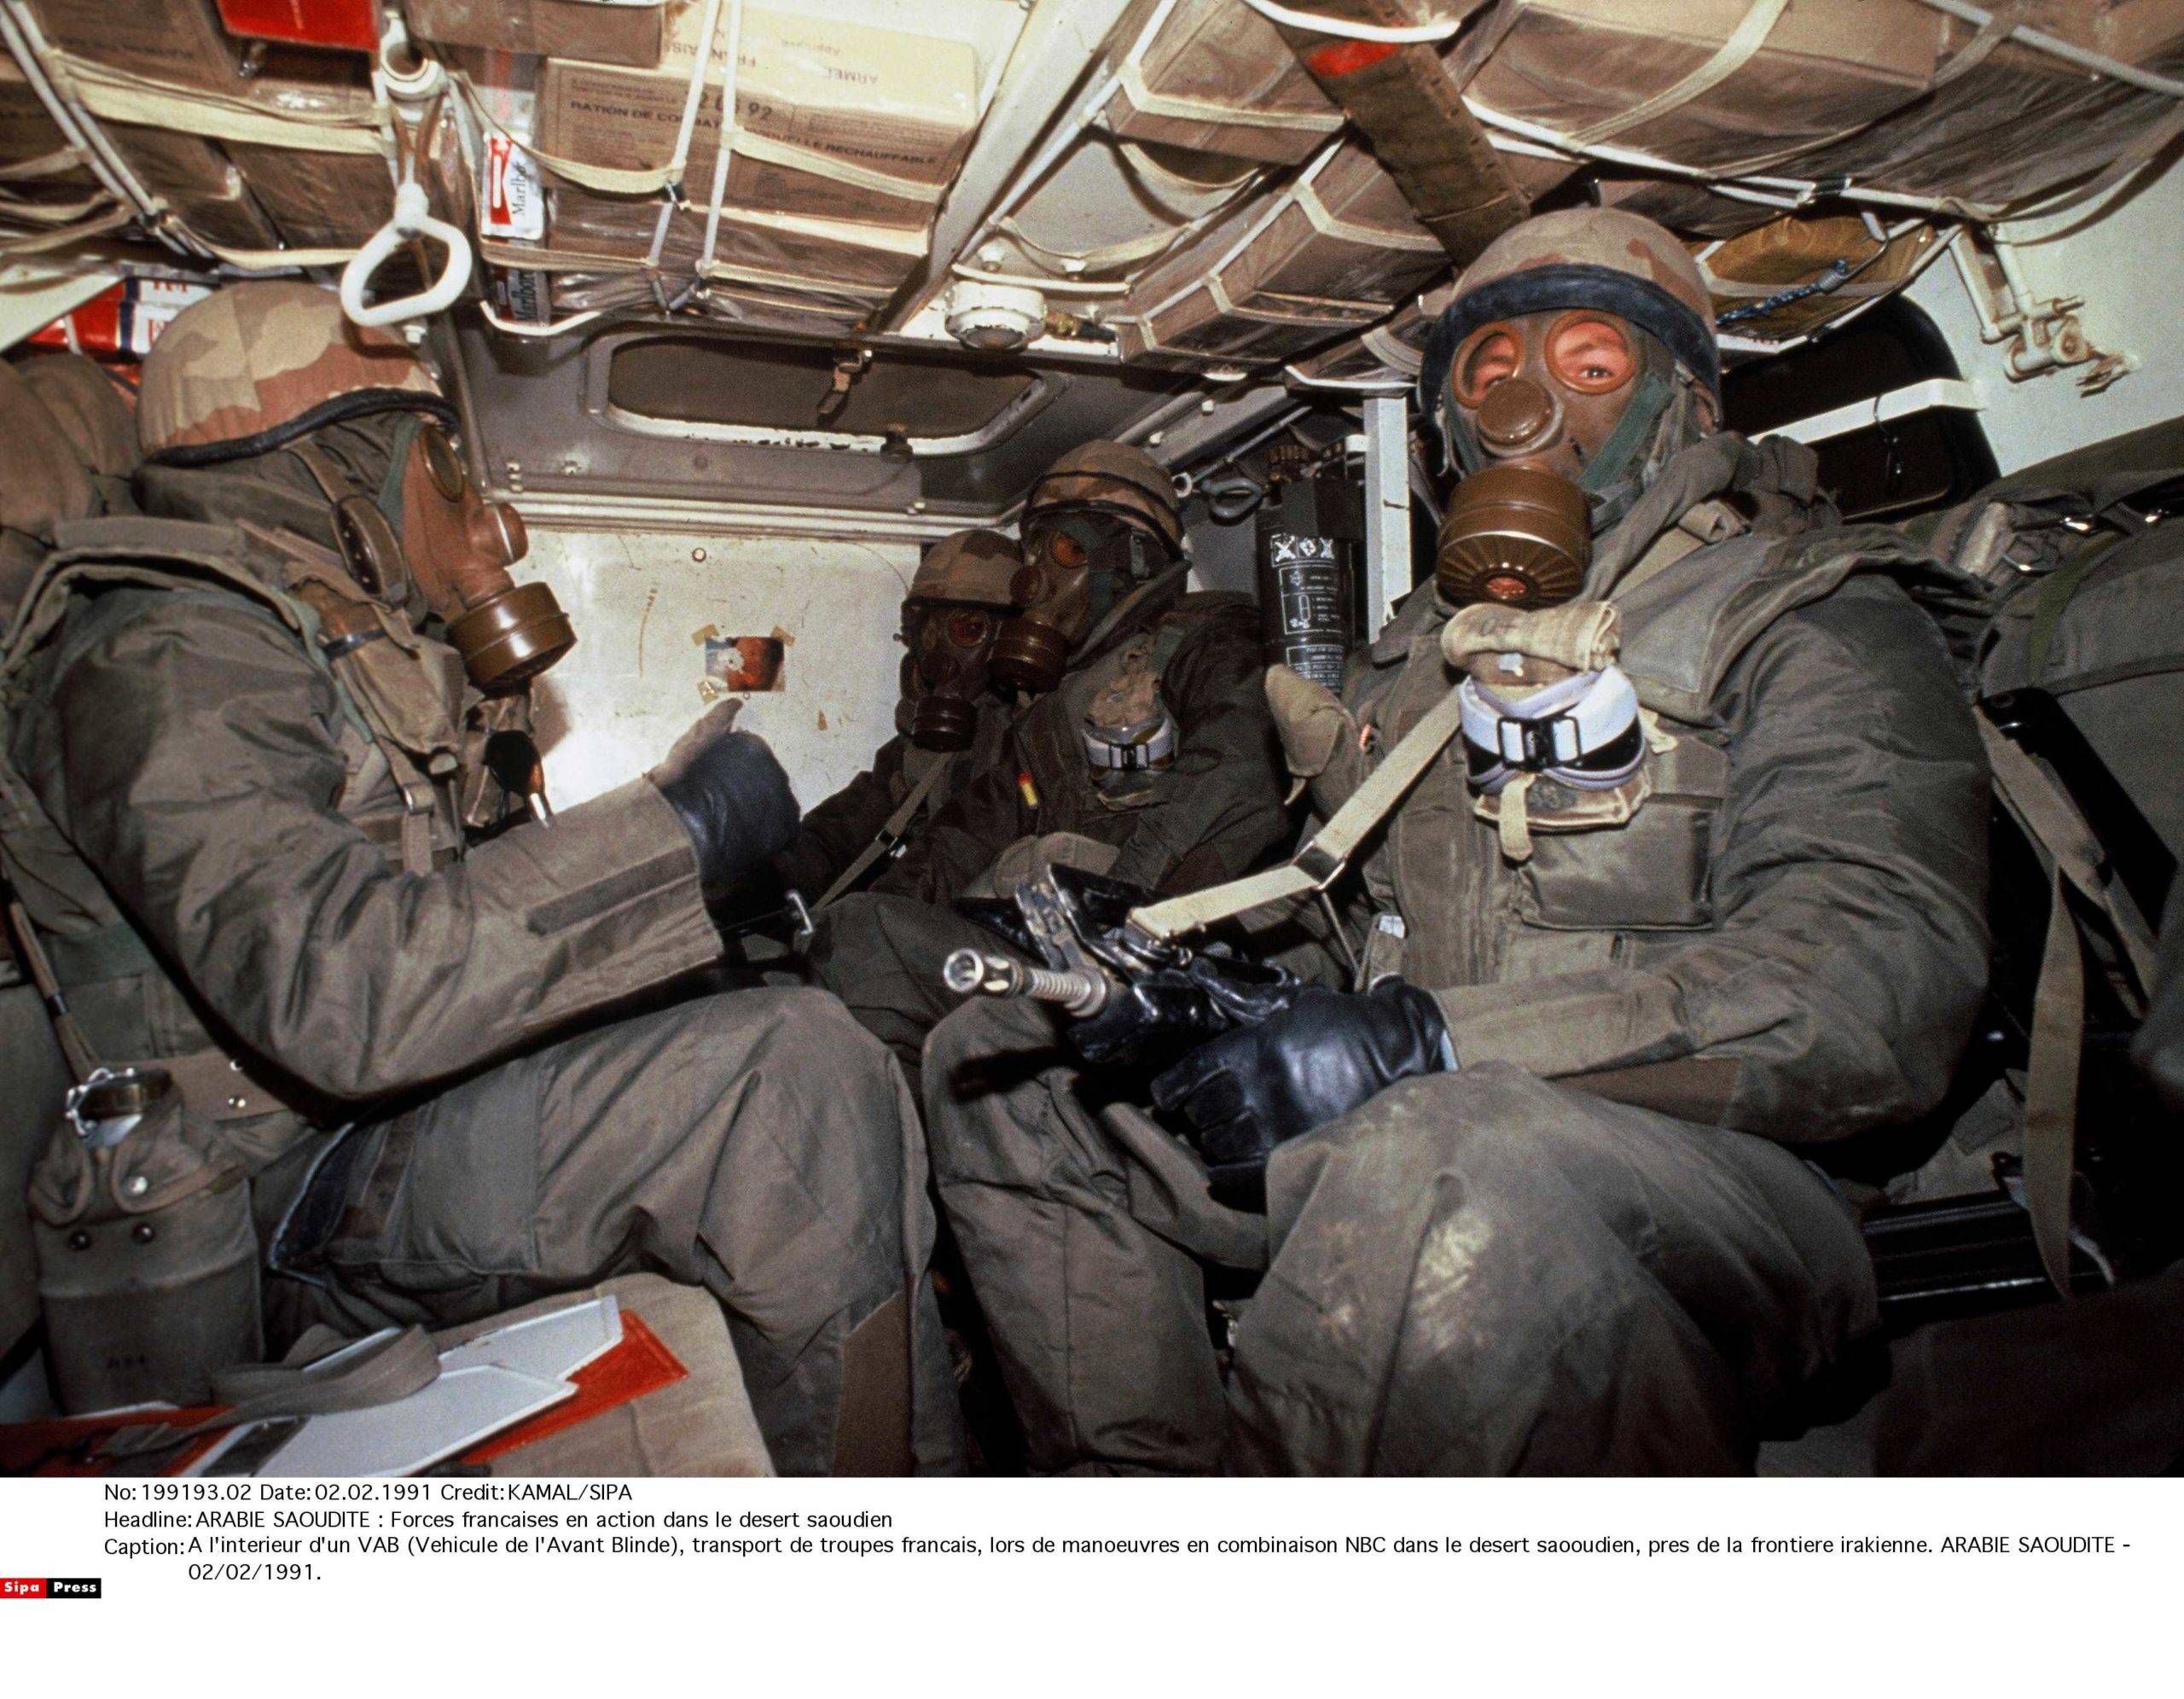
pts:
pixel 412 218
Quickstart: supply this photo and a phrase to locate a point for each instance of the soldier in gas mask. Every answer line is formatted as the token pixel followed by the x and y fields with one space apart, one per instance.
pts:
pixel 1142 746
pixel 245 751
pixel 1686 883
pixel 949 719
pixel 66 453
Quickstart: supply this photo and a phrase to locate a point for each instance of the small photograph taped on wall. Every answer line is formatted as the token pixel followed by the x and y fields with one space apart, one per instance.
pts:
pixel 739 664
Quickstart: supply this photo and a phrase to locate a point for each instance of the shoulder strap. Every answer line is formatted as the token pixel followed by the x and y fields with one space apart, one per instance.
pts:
pixel 76 1047
pixel 1320 861
pixel 2053 597
pixel 2051 1098
pixel 890 835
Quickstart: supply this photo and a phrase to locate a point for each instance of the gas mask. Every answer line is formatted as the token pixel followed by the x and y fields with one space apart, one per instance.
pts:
pixel 1557 419
pixel 1078 564
pixel 451 554
pixel 945 672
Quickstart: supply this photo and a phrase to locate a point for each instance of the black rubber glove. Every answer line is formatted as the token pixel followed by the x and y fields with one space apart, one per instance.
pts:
pixel 732 796
pixel 1247 1090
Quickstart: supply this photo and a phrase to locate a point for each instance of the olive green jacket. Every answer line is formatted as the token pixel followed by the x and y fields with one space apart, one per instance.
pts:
pixel 230 840
pixel 1789 937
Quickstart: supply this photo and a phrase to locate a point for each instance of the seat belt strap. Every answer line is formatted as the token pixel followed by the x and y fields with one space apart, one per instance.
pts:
pixel 1320 861
pixel 890 835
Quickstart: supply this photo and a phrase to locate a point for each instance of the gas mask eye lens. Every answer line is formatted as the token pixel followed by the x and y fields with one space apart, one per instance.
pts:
pixel 442 463
pixel 1064 550
pixel 1493 352
pixel 1590 354
pixel 968 627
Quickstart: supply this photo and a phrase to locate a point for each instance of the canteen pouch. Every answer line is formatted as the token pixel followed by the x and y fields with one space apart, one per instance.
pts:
pixel 146 1261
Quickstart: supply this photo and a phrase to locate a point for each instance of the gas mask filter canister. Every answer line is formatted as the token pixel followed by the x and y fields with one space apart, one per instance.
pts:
pixel 458 548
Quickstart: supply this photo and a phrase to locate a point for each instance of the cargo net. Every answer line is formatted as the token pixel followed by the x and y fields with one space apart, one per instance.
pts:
pixel 1816 157
pixel 1205 200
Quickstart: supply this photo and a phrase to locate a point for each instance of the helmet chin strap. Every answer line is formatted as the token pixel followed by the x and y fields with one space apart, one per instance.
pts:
pixel 388 498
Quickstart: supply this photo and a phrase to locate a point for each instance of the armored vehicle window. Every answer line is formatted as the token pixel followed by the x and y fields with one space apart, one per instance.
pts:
pixel 698 380
pixel 1902 466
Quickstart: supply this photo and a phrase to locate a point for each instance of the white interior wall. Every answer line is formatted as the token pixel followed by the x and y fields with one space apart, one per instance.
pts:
pixel 2128 263
pixel 616 703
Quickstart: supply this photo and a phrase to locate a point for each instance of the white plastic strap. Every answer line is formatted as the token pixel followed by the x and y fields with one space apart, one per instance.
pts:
pixel 1737 48
pixel 1185 110
pixel 681 157
pixel 1390 35
pixel 729 137
pixel 1307 197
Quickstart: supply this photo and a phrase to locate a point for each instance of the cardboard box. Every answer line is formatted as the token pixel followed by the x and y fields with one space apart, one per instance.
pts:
pixel 1827 66
pixel 1340 250
pixel 630 33
pixel 821 252
pixel 202 184
pixel 837 111
pixel 1207 325
pixel 180 42
pixel 1218 79
pixel 170 41
pixel 319 199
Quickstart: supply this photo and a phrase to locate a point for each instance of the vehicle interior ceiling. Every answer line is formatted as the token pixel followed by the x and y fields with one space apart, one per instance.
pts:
pixel 723 408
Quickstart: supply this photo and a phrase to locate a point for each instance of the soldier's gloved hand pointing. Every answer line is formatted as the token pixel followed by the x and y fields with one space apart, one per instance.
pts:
pixel 733 798
pixel 1250 1089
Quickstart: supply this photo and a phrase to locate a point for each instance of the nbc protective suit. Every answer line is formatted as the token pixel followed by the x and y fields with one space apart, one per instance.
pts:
pixel 1146 749
pixel 244 790
pixel 948 723
pixel 67 454
pixel 1533 1182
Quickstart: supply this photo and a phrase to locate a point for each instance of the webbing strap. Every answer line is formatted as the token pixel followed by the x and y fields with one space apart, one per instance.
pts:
pixel 83 1058
pixel 2054 595
pixel 2051 1092
pixel 889 835
pixel 380 1369
pixel 2047 814
pixel 1323 856
pixel 1730 57
pixel 2051 1086
pixel 2001 24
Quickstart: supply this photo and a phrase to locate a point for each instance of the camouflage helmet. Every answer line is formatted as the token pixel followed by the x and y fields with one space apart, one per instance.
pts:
pixel 1115 479
pixel 43 481
pixel 969 565
pixel 1595 256
pixel 257 364
pixel 96 411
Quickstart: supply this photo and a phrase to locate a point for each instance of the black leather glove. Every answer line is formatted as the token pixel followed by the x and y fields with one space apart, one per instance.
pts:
pixel 732 797
pixel 1245 1092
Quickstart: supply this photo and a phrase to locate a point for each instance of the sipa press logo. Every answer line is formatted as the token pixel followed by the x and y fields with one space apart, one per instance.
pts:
pixel 52 1586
